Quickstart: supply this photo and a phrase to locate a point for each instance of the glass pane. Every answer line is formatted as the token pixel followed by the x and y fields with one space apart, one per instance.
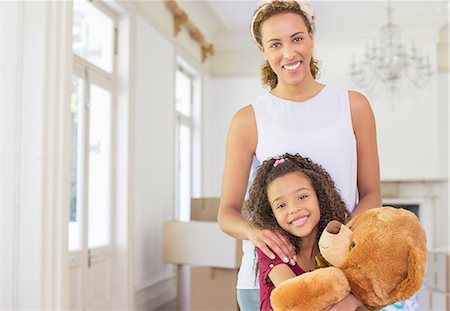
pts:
pixel 183 93
pixel 93 35
pixel 76 102
pixel 184 176
pixel 99 167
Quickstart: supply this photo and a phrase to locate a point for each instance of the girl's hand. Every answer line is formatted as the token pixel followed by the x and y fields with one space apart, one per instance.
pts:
pixel 349 303
pixel 271 243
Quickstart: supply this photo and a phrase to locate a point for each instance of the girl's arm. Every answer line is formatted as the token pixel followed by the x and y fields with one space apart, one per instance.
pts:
pixel 241 146
pixel 368 178
pixel 280 273
pixel 349 303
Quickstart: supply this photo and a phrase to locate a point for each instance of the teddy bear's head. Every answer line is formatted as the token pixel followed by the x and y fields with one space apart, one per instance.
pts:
pixel 382 253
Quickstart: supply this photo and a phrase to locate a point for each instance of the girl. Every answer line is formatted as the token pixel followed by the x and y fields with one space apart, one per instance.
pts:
pixel 334 127
pixel 296 198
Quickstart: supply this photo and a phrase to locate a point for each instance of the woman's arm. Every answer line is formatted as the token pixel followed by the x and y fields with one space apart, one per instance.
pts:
pixel 368 167
pixel 241 146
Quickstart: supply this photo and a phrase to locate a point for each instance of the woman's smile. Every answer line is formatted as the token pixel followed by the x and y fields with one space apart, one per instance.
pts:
pixel 292 66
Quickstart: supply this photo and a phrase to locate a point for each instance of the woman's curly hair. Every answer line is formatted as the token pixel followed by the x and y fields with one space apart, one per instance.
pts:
pixel 331 205
pixel 268 76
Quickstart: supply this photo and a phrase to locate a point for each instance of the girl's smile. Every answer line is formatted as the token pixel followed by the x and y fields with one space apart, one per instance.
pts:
pixel 299 221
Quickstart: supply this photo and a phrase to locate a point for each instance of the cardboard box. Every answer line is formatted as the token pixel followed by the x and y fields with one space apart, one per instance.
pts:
pixel 200 243
pixel 438 270
pixel 440 301
pixel 213 289
pixel 204 209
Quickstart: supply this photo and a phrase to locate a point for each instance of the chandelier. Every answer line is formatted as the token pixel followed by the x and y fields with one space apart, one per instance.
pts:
pixel 390 67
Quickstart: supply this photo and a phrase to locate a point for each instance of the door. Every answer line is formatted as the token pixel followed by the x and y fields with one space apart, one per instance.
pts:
pixel 91 229
pixel 90 226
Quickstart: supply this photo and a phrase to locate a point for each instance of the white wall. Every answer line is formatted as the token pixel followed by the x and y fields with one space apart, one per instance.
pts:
pixel 154 151
pixel 154 137
pixel 225 97
pixel 407 127
pixel 443 207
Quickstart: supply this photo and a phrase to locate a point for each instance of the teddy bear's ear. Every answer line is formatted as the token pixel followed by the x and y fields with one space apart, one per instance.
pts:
pixel 414 275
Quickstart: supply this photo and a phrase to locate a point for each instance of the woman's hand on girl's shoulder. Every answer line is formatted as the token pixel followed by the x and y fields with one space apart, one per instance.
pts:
pixel 272 243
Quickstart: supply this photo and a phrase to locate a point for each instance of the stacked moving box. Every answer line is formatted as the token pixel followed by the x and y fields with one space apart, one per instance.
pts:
pixel 436 293
pixel 211 257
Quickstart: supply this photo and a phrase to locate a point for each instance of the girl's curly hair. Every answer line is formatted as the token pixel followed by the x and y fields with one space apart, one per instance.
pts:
pixel 331 205
pixel 268 76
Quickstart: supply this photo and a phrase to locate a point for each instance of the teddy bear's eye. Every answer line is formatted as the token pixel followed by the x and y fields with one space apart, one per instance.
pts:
pixel 352 246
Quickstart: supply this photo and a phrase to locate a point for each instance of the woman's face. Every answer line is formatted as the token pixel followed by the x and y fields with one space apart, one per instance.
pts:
pixel 287 46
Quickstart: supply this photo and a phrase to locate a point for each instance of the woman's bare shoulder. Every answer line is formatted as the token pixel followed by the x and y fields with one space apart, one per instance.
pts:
pixel 244 114
pixel 358 100
pixel 359 105
pixel 243 128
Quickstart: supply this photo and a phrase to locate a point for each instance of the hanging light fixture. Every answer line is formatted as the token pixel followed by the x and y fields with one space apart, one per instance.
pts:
pixel 390 67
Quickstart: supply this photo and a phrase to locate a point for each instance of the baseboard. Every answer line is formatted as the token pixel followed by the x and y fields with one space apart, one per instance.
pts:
pixel 155 295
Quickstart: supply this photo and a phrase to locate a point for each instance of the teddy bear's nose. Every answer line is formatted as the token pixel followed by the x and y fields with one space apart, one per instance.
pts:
pixel 333 227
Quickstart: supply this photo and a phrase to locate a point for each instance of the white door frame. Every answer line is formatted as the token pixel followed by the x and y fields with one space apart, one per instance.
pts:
pixel 38 58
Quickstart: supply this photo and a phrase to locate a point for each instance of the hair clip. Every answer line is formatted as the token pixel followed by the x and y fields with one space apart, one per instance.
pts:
pixel 278 162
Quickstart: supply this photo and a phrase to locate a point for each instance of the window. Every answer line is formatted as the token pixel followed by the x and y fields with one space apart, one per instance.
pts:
pixel 92 115
pixel 93 35
pixel 187 138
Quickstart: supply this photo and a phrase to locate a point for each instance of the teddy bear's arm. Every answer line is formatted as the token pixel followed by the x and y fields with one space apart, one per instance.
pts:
pixel 311 291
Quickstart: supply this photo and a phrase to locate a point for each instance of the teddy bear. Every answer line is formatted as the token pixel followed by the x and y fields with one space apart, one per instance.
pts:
pixel 379 255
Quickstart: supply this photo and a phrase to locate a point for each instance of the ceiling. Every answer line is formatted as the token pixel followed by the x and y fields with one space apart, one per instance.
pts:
pixel 336 18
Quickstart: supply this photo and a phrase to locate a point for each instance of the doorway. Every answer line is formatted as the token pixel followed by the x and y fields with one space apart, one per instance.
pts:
pixel 92 208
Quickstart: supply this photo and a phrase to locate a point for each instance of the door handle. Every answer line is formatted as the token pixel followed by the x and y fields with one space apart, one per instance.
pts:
pixel 91 255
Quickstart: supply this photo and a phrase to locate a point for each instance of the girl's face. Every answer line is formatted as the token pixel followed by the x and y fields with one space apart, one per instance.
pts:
pixel 294 204
pixel 287 46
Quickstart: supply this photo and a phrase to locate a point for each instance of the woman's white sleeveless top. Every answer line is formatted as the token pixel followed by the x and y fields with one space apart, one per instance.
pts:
pixel 319 128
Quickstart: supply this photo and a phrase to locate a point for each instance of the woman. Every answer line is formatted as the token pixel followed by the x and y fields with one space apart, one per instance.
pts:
pixel 333 127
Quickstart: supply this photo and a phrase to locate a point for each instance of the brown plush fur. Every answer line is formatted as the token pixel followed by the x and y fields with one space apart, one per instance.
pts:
pixel 386 265
pixel 309 289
